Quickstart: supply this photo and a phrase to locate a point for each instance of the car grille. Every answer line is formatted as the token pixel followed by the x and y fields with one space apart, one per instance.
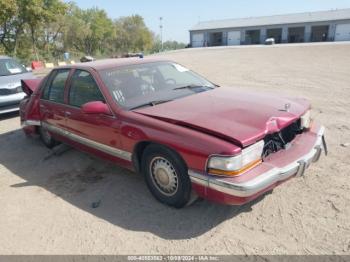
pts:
pixel 281 140
pixel 12 91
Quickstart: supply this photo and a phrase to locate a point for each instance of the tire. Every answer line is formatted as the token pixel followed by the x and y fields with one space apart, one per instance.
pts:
pixel 46 138
pixel 166 176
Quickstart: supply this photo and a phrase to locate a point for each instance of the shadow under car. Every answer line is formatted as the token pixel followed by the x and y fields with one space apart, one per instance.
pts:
pixel 107 191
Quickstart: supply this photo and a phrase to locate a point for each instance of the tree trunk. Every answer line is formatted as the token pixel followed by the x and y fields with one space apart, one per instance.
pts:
pixel 33 42
pixel 18 32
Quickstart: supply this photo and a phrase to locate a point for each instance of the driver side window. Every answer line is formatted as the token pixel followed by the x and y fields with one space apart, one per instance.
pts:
pixel 83 89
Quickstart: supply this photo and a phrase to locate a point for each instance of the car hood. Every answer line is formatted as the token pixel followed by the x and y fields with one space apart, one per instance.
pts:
pixel 231 114
pixel 14 81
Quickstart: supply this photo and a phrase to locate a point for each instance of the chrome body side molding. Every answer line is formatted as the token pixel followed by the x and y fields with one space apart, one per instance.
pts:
pixel 90 143
pixel 31 123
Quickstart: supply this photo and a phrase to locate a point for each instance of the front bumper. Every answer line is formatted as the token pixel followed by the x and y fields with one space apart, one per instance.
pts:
pixel 9 109
pixel 280 167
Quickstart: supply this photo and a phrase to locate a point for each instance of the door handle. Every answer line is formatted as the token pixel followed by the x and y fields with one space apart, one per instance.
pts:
pixel 68 113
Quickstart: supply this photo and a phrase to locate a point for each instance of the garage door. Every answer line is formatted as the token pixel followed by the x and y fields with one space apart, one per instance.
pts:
pixel 342 32
pixel 234 38
pixel 197 40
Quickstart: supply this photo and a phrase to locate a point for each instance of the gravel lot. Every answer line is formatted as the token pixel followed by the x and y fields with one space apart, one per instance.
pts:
pixel 46 200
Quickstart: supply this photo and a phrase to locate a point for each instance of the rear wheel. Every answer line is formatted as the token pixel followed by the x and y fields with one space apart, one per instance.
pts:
pixel 166 176
pixel 46 138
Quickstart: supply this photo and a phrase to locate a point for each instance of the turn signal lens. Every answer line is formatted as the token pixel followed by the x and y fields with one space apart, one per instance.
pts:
pixel 235 173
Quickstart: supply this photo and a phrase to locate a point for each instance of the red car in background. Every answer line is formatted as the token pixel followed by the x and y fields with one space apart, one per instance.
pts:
pixel 182 132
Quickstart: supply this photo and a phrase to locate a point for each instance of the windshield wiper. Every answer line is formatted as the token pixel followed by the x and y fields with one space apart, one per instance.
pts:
pixel 152 103
pixel 192 87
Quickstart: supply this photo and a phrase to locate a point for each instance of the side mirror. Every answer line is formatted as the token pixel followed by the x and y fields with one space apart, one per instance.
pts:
pixel 96 107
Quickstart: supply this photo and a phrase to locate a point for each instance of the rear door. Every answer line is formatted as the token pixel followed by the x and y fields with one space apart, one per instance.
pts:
pixel 52 102
pixel 98 131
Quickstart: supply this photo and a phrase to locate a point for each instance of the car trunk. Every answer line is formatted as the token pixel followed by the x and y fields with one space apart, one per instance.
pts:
pixel 30 85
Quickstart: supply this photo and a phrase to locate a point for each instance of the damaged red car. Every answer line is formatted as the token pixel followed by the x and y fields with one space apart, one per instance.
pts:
pixel 182 132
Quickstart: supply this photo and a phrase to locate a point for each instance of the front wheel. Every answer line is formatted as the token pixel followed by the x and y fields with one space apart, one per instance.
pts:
pixel 166 176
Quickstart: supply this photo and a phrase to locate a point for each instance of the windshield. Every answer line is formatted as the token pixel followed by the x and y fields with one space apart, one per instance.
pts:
pixel 152 83
pixel 11 67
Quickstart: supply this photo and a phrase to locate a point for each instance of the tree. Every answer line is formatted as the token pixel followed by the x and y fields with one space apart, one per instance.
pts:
pixel 168 45
pixel 37 13
pixel 45 29
pixel 89 31
pixel 8 22
pixel 21 19
pixel 132 35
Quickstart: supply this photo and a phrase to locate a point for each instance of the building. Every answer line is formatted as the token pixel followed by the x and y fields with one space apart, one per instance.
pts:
pixel 321 26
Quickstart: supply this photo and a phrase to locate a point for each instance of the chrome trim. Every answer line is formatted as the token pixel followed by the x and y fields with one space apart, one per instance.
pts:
pixel 31 123
pixel 5 111
pixel 263 181
pixel 198 178
pixel 82 140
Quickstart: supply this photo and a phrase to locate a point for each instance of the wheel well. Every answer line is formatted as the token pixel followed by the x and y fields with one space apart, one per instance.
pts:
pixel 139 149
pixel 137 155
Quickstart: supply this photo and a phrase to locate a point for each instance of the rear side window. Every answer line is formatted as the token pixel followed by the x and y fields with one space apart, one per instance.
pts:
pixel 54 90
pixel 83 89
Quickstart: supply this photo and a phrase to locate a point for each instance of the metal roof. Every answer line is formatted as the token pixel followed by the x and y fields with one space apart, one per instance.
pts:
pixel 322 16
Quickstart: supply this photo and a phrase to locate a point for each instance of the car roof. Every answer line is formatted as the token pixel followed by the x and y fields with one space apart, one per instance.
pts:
pixel 104 64
pixel 4 57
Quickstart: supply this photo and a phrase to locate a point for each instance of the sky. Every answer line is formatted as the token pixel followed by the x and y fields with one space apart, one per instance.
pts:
pixel 180 15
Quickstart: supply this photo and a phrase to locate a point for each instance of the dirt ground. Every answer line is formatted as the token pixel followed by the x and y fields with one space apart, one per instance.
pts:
pixel 46 200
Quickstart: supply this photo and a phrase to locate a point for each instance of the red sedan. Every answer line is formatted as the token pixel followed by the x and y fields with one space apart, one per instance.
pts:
pixel 182 132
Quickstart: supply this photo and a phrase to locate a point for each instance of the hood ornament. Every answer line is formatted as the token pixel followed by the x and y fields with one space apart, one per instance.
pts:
pixel 286 107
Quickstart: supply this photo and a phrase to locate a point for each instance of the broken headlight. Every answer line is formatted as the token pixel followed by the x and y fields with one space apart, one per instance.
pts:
pixel 306 120
pixel 236 165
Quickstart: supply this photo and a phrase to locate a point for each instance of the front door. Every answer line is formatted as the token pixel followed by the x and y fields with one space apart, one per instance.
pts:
pixel 97 131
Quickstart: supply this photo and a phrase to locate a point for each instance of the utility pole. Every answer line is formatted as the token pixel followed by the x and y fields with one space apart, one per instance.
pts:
pixel 161 31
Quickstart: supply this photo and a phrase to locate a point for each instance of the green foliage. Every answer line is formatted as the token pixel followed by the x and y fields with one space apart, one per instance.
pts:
pixel 132 35
pixel 167 45
pixel 45 29
pixel 8 9
pixel 24 21
pixel 88 31
pixel 9 24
